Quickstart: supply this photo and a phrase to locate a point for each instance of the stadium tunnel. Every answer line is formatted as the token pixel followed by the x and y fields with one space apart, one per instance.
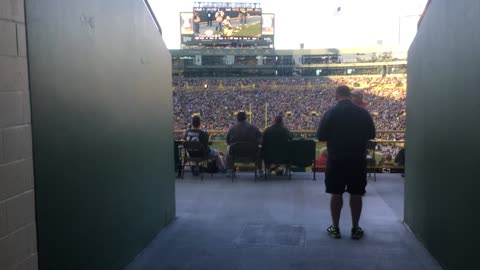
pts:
pixel 86 174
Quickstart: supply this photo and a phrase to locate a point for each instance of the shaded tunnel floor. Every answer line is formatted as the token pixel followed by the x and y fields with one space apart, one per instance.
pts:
pixel 280 224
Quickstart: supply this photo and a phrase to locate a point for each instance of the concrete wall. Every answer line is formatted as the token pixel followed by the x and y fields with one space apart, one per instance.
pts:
pixel 443 111
pixel 100 81
pixel 18 248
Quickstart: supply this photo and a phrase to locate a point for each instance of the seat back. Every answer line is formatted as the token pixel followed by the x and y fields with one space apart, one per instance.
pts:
pixel 302 152
pixel 244 151
pixel 371 145
pixel 195 150
pixel 276 153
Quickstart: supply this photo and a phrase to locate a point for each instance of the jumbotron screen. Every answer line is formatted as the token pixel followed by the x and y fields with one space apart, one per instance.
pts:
pixel 224 23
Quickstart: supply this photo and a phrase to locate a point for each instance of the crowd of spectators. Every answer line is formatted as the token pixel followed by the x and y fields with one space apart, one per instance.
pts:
pixel 301 101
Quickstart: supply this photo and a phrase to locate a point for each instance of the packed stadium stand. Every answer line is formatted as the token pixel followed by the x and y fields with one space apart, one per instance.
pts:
pixel 299 84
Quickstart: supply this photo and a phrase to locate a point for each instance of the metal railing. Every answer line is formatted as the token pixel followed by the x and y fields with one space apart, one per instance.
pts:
pixel 309 132
pixel 382 167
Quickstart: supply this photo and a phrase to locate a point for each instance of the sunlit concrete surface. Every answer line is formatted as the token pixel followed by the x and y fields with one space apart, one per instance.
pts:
pixel 280 224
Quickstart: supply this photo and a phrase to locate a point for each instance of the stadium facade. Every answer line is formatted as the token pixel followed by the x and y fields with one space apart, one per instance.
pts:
pixel 266 62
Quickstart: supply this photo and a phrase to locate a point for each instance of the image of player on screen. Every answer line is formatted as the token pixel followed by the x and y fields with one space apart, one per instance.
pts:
pixel 227 27
pixel 242 16
pixel 210 16
pixel 219 19
pixel 196 23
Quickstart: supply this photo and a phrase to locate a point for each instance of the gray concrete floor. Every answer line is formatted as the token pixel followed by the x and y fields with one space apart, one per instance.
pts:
pixel 280 224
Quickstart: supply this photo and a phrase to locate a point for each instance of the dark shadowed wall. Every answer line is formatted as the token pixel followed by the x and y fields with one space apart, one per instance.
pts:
pixel 100 81
pixel 443 111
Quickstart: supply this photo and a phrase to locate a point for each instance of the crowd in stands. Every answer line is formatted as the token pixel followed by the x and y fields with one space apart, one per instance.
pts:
pixel 301 101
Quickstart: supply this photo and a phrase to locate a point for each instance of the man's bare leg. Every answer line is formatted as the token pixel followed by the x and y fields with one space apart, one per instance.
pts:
pixel 336 204
pixel 356 208
pixel 220 162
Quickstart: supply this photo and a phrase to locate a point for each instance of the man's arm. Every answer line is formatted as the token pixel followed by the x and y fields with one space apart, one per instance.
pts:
pixel 259 135
pixel 371 127
pixel 322 131
pixel 204 139
pixel 229 137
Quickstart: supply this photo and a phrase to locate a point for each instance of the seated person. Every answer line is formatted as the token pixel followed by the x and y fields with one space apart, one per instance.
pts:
pixel 276 135
pixel 321 162
pixel 387 162
pixel 197 135
pixel 242 132
pixel 400 158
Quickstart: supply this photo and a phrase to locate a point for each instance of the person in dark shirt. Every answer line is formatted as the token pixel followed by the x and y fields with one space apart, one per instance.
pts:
pixel 197 135
pixel 243 132
pixel 346 128
pixel 276 135
pixel 209 18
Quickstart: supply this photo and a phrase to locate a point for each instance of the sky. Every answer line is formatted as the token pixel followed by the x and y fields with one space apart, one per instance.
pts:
pixel 317 24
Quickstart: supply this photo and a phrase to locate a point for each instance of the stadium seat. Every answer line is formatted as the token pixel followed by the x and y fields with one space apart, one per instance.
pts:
pixel 302 154
pixel 276 154
pixel 177 150
pixel 195 152
pixel 244 152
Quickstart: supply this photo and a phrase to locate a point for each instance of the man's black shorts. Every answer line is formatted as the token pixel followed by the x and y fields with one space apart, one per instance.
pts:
pixel 346 175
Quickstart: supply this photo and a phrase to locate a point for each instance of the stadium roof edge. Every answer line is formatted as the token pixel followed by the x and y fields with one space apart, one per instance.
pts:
pixel 266 51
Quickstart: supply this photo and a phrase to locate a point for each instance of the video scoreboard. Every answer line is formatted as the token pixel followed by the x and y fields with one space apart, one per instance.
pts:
pixel 224 24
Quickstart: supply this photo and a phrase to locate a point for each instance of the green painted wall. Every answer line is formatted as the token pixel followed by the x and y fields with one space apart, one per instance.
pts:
pixel 100 80
pixel 443 112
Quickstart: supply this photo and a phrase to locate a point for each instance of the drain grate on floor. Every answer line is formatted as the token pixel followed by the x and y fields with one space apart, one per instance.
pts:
pixel 272 235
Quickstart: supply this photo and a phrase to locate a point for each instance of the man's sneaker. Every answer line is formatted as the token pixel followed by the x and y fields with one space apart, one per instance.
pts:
pixel 334 232
pixel 357 233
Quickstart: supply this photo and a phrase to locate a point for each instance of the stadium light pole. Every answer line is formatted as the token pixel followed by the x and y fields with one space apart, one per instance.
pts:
pixel 250 119
pixel 266 115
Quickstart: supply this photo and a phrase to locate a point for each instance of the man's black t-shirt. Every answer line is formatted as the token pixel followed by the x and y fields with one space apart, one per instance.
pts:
pixel 346 128
pixel 276 135
pixel 243 132
pixel 197 135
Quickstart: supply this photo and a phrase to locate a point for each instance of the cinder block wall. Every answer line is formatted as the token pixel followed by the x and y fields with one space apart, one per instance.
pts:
pixel 443 110
pixel 18 248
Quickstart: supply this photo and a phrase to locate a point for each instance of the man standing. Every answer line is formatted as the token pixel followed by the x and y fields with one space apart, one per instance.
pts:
pixel 219 19
pixel 209 18
pixel 196 23
pixel 346 128
pixel 242 132
pixel 242 17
